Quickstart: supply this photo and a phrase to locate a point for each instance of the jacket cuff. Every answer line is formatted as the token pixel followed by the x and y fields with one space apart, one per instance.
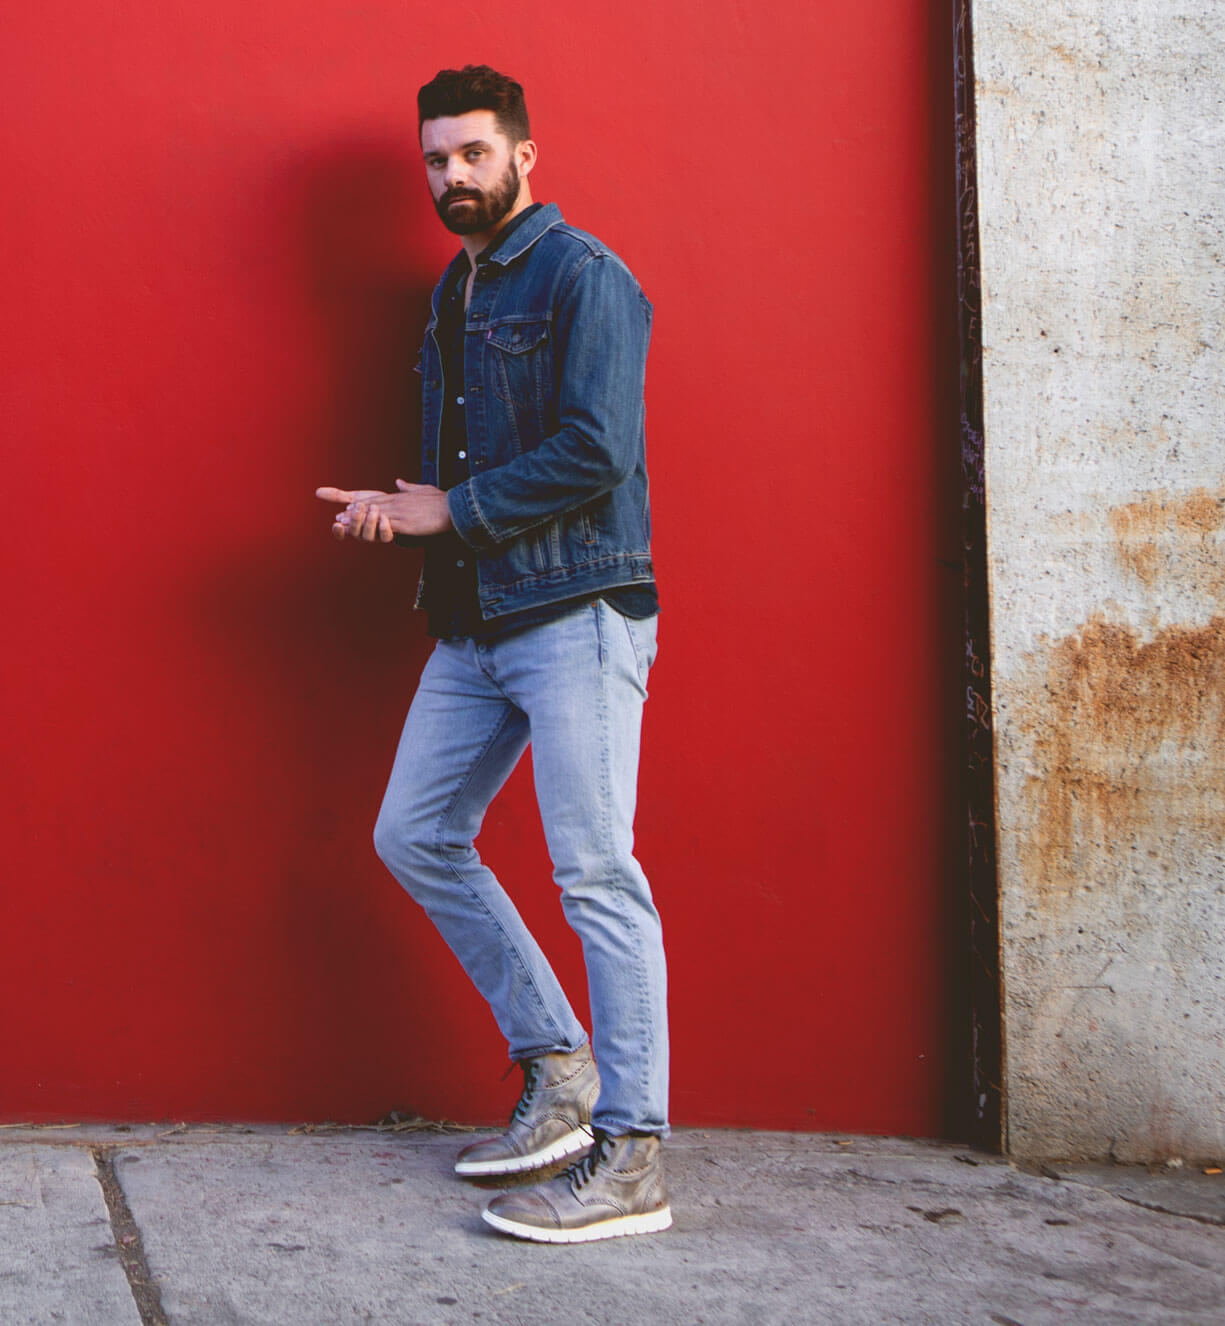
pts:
pixel 467 519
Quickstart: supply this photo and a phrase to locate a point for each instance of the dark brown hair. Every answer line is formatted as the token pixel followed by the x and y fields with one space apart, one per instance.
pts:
pixel 475 87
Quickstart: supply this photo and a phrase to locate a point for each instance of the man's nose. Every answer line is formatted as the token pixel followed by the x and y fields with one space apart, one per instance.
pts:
pixel 455 173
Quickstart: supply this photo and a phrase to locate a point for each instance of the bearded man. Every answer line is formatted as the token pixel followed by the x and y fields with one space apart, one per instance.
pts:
pixel 539 588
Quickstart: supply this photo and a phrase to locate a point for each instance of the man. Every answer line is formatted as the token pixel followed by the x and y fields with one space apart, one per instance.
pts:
pixel 539 587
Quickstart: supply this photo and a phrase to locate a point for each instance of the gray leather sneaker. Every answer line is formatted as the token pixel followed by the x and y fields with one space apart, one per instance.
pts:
pixel 551 1121
pixel 616 1188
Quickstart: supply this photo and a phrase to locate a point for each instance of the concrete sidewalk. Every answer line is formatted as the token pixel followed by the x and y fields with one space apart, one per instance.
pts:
pixel 204 1225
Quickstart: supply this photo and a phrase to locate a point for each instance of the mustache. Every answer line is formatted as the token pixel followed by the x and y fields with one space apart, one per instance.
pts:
pixel 454 195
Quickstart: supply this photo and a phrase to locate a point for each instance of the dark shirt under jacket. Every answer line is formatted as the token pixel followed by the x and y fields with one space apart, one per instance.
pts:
pixel 452 607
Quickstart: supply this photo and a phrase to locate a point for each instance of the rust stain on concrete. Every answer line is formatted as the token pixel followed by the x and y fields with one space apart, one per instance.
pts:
pixel 1160 535
pixel 1126 750
pixel 1073 59
pixel 995 87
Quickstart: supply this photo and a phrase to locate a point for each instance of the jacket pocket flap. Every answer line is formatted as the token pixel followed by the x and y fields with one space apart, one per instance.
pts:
pixel 517 338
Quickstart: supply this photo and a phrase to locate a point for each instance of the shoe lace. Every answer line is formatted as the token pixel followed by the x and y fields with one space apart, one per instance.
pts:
pixel 584 1168
pixel 531 1075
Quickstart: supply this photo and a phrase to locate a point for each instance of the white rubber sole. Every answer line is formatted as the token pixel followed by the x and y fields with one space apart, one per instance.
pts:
pixel 578 1140
pixel 651 1222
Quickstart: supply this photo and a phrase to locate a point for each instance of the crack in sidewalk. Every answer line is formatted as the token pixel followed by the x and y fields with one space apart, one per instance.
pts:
pixel 1215 1222
pixel 128 1242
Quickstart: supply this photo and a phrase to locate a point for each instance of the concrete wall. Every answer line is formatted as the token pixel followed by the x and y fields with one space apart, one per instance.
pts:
pixel 1102 195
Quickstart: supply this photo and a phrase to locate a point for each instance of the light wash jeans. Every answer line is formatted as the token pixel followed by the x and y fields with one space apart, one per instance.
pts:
pixel 574 688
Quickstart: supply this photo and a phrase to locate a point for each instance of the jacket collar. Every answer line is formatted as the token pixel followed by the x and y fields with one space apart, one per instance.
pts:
pixel 526 234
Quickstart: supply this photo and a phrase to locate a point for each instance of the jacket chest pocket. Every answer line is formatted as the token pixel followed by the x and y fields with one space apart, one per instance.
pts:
pixel 520 363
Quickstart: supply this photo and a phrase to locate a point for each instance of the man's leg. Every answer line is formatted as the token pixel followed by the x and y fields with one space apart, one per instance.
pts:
pixel 461 740
pixel 582 682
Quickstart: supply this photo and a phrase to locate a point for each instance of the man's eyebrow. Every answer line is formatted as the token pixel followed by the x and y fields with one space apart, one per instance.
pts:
pixel 464 147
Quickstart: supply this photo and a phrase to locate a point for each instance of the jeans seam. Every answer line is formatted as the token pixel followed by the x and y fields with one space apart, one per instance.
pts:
pixel 625 622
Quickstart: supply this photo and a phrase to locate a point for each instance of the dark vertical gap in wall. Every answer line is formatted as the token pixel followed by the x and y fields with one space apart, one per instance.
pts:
pixel 987 1031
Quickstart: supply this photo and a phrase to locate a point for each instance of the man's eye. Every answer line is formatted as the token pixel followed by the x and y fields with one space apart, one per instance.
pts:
pixel 474 154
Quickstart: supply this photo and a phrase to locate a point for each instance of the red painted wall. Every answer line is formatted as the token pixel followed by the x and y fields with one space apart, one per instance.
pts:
pixel 218 250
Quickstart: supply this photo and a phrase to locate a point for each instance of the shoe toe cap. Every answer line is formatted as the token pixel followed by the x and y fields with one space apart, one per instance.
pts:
pixel 529 1207
pixel 491 1148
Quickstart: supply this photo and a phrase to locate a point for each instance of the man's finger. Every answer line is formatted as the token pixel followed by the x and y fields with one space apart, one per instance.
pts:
pixel 368 524
pixel 333 495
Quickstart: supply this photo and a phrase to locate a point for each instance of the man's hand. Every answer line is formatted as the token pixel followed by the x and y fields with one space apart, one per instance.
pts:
pixel 346 524
pixel 416 509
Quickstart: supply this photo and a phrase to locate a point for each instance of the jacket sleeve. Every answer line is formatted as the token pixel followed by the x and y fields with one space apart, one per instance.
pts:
pixel 601 330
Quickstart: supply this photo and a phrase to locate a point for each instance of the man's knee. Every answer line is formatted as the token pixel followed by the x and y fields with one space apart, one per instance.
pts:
pixel 420 855
pixel 402 844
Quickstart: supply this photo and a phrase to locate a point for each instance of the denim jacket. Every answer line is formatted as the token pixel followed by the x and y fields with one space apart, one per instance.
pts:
pixel 554 360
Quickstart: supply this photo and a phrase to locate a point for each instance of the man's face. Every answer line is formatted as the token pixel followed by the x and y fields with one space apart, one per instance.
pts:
pixel 474 172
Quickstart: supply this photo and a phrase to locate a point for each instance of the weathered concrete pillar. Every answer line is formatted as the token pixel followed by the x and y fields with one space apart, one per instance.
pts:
pixel 1101 142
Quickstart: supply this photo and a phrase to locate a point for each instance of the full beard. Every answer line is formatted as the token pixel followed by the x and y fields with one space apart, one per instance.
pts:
pixel 486 209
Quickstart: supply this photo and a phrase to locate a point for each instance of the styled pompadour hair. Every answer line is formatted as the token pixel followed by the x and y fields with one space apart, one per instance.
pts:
pixel 475 87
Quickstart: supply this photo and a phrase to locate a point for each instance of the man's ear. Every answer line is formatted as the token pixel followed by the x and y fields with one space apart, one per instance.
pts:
pixel 525 156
